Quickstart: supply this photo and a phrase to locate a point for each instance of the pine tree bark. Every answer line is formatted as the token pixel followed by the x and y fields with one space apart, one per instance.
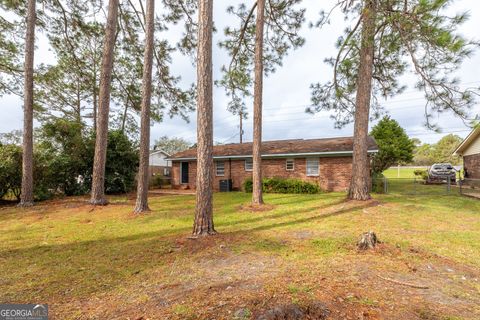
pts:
pixel 98 179
pixel 257 194
pixel 203 224
pixel 26 197
pixel 142 187
pixel 360 183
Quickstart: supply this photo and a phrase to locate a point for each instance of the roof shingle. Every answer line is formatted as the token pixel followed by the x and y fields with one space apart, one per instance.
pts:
pixel 281 147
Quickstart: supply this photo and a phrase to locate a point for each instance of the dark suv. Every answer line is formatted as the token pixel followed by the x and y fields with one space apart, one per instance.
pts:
pixel 439 172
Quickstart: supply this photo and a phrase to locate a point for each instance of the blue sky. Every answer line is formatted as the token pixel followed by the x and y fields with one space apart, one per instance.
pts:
pixel 287 93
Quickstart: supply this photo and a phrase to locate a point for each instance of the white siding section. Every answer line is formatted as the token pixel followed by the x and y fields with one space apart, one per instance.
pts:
pixel 158 159
pixel 473 148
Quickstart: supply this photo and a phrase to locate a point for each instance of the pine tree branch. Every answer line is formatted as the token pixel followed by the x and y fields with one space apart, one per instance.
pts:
pixel 242 36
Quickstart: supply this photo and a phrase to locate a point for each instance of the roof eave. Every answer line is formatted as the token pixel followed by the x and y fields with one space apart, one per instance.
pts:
pixel 466 142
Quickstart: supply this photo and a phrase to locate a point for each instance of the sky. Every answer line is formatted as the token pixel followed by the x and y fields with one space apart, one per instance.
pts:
pixel 287 92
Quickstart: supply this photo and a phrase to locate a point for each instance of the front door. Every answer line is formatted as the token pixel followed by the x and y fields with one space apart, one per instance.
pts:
pixel 184 172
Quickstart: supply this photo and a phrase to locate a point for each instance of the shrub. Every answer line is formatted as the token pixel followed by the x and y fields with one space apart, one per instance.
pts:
pixel 121 163
pixel 378 183
pixel 421 173
pixel 157 181
pixel 63 162
pixel 10 170
pixel 280 185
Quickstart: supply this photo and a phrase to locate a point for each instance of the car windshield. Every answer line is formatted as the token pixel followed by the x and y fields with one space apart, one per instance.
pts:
pixel 437 167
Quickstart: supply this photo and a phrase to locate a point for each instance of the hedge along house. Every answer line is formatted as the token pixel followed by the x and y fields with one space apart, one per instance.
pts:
pixel 469 150
pixel 327 162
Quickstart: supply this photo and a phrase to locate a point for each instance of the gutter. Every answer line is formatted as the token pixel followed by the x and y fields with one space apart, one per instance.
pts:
pixel 281 155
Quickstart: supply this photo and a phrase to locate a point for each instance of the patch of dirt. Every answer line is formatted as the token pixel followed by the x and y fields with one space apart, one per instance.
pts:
pixel 315 310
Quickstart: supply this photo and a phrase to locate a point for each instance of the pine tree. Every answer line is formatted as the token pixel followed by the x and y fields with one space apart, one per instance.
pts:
pixel 257 192
pixel 275 31
pixel 143 172
pixel 203 224
pixel 98 178
pixel 387 37
pixel 26 197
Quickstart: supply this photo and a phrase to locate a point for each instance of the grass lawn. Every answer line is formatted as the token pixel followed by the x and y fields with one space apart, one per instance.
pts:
pixel 405 173
pixel 104 263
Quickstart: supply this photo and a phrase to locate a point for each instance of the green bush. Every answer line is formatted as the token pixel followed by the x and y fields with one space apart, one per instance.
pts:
pixel 280 185
pixel 44 175
pixel 421 173
pixel 63 162
pixel 378 183
pixel 10 170
pixel 121 163
pixel 157 181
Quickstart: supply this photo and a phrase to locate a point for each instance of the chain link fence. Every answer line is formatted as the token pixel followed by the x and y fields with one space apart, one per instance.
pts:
pixel 419 186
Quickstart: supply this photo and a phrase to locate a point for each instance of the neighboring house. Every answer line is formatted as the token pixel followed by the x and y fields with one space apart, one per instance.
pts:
pixel 159 165
pixel 327 162
pixel 469 149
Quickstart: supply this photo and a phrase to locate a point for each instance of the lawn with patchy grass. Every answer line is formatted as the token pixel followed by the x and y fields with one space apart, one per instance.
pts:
pixel 104 263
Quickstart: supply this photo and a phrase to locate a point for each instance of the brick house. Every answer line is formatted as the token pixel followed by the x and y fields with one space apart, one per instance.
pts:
pixel 327 162
pixel 469 150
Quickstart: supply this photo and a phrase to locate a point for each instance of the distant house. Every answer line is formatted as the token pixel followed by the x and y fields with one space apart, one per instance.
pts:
pixel 469 149
pixel 159 165
pixel 327 162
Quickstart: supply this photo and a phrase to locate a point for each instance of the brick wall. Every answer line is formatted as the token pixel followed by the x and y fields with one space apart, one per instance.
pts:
pixel 335 172
pixel 471 164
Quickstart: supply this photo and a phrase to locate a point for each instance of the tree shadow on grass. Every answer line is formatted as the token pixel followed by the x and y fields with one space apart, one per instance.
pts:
pixel 318 217
pixel 255 217
pixel 60 272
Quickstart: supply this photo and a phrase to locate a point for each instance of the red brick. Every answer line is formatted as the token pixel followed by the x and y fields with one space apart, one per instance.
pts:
pixel 335 172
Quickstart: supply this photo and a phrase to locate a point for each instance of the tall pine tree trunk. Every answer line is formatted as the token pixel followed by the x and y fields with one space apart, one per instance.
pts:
pixel 98 179
pixel 257 196
pixel 360 184
pixel 142 187
pixel 26 197
pixel 203 224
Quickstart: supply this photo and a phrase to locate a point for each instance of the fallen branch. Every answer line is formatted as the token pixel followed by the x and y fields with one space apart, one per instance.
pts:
pixel 403 283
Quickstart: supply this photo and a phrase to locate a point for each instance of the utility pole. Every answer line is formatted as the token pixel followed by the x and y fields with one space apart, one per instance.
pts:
pixel 241 127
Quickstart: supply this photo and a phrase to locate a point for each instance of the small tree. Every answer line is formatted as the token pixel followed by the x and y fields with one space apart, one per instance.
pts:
pixel 393 143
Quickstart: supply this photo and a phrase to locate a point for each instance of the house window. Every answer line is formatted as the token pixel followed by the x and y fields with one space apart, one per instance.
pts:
pixel 290 165
pixel 312 167
pixel 220 168
pixel 166 172
pixel 249 165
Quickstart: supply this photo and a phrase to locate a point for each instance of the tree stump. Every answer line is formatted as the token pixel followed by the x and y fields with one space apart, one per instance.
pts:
pixel 368 240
